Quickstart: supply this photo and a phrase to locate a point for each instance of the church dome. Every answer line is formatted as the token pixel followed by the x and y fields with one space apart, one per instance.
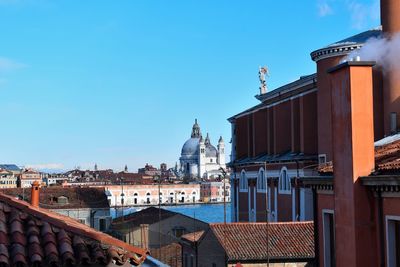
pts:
pixel 211 151
pixel 191 147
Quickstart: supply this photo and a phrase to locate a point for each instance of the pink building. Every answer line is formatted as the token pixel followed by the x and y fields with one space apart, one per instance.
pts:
pixel 214 191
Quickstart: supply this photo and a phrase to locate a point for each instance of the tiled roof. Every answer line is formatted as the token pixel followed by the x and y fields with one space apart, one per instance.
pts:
pixel 32 236
pixel 387 158
pixel 193 237
pixel 10 167
pixel 248 241
pixel 145 216
pixel 78 197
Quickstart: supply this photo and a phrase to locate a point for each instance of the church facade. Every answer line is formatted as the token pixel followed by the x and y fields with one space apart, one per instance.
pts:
pixel 199 158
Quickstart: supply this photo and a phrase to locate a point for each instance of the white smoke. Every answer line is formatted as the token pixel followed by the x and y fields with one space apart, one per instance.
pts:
pixel 384 51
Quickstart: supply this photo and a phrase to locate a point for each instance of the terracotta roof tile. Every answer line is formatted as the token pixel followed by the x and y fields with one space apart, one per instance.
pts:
pixel 193 237
pixel 248 241
pixel 387 159
pixel 32 236
pixel 77 197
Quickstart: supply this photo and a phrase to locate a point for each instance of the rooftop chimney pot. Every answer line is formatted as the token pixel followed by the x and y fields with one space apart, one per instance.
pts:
pixel 35 194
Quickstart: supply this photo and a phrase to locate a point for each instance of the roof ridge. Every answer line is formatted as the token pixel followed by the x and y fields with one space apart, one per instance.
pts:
pixel 69 224
pixel 262 223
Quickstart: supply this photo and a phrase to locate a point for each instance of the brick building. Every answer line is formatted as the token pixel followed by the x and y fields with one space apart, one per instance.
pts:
pixel 355 193
pixel 287 135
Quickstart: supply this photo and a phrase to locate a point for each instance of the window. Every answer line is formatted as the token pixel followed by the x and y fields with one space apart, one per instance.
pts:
pixel 261 180
pixel 82 221
pixel 393 240
pixel 243 186
pixel 284 182
pixel 102 224
pixel 328 225
pixel 322 158
pixel 148 198
pixel 191 261
pixel 179 231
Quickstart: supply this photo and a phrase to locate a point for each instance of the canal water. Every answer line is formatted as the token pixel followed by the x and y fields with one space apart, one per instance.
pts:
pixel 210 213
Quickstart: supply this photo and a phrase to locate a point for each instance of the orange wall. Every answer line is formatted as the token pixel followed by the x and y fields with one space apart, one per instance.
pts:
pixel 324 106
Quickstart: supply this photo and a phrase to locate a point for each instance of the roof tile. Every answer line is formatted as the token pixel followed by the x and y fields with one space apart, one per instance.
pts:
pixel 37 235
pixel 248 241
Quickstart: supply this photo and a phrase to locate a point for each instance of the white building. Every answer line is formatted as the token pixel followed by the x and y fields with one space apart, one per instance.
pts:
pixel 131 195
pixel 199 158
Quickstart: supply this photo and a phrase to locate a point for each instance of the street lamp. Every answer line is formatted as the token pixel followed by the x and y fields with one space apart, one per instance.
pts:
pixel 122 196
pixel 224 174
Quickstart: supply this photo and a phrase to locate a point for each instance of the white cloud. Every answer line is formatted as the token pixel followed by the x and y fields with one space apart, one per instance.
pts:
pixel 47 166
pixel 361 13
pixel 324 9
pixel 7 64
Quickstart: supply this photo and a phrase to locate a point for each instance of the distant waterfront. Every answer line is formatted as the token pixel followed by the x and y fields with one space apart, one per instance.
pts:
pixel 210 213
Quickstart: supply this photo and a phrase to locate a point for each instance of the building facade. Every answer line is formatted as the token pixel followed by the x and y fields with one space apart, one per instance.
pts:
pixel 272 143
pixel 27 177
pixel 141 195
pixel 7 179
pixel 286 137
pixel 199 158
pixel 214 191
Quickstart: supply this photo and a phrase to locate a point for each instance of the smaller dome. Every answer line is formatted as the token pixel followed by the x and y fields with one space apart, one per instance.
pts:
pixel 211 151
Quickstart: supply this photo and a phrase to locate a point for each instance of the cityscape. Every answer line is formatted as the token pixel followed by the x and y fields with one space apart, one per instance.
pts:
pixel 131 137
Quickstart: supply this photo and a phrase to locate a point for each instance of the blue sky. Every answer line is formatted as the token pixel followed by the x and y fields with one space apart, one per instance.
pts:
pixel 121 82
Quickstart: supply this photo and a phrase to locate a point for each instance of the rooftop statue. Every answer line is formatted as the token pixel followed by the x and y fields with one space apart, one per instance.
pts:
pixel 262 72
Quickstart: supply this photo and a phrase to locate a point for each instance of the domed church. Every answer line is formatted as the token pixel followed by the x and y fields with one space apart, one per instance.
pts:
pixel 199 158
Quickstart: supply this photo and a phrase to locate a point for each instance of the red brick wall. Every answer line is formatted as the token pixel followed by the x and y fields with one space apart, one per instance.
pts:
pixel 283 127
pixel 295 124
pixel 270 129
pixel 261 207
pixel 243 207
pixel 324 106
pixel 260 132
pixel 284 207
pixel 309 138
pixel 250 129
pixel 241 137
pixel 378 104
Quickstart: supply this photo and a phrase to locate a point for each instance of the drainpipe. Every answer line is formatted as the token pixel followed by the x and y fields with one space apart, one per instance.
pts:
pixel 315 215
pixel 381 230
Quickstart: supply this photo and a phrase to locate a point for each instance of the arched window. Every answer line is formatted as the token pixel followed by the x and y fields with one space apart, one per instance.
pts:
pixel 243 185
pixel 261 180
pixel 284 182
pixel 148 198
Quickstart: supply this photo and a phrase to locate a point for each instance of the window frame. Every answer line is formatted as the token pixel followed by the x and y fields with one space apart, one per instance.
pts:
pixel 327 261
pixel 390 239
pixel 261 180
pixel 243 182
pixel 284 186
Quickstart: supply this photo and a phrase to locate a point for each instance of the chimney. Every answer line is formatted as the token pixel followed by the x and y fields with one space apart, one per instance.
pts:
pixel 390 19
pixel 35 194
pixel 353 157
pixel 144 233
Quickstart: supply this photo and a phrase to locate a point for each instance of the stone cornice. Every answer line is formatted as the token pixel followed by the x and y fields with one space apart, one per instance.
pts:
pixel 334 51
